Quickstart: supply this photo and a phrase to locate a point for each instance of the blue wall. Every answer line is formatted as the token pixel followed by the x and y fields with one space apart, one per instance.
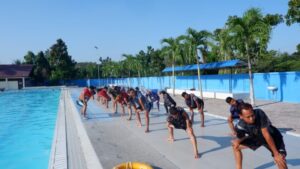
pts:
pixel 288 84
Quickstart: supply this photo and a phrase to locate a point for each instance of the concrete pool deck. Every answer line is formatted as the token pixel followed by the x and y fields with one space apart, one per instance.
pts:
pixel 116 140
pixel 285 116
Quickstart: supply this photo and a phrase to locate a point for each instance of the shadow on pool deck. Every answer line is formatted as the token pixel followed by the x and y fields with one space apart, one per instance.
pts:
pixel 292 162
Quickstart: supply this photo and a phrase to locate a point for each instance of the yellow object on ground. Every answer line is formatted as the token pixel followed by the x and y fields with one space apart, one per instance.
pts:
pixel 133 165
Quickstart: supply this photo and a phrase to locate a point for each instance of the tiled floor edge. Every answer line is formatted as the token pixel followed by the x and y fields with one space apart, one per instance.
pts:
pixel 90 155
pixel 58 155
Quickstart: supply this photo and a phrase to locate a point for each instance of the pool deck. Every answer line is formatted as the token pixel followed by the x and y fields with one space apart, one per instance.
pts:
pixel 116 140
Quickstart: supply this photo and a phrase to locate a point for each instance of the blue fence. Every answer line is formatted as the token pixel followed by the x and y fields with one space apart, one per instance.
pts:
pixel 287 84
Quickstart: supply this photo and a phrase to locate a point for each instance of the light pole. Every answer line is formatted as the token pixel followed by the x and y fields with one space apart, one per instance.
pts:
pixel 98 66
pixel 199 74
pixel 100 63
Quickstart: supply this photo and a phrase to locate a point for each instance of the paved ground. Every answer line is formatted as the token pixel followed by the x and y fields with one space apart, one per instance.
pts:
pixel 117 140
pixel 285 116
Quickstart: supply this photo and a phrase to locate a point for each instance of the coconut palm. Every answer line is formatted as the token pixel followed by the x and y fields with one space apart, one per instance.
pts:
pixel 198 40
pixel 293 13
pixel 172 49
pixel 225 44
pixel 251 33
pixel 133 65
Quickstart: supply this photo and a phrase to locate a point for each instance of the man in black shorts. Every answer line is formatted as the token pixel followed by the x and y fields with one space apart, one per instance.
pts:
pixel 254 130
pixel 193 102
pixel 234 112
pixel 179 119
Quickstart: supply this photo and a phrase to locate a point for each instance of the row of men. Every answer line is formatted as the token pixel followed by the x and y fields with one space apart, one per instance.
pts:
pixel 252 129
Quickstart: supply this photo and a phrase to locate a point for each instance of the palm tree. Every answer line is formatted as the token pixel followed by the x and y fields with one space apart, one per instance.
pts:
pixel 198 40
pixel 251 33
pixel 293 13
pixel 172 50
pixel 128 65
pixel 133 64
pixel 224 43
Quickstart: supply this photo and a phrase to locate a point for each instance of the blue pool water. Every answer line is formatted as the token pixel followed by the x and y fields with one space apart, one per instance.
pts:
pixel 27 121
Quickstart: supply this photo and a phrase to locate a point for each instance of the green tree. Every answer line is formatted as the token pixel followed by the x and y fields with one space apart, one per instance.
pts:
pixel 105 66
pixel 156 62
pixel 133 65
pixel 224 44
pixel 251 33
pixel 61 63
pixel 293 13
pixel 41 70
pixel 17 62
pixel 199 40
pixel 172 50
pixel 298 48
pixel 29 58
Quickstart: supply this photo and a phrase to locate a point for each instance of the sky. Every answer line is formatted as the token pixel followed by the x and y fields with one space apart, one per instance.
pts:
pixel 119 27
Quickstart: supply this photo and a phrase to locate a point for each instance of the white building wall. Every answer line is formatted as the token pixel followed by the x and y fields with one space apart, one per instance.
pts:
pixel 10 85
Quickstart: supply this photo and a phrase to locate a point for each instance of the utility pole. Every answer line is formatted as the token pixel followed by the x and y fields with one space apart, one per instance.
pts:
pixel 199 74
pixel 98 66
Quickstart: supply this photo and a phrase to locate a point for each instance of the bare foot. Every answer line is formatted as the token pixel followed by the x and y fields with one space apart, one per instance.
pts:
pixel 233 134
pixel 139 125
pixel 202 125
pixel 147 131
pixel 171 139
pixel 197 156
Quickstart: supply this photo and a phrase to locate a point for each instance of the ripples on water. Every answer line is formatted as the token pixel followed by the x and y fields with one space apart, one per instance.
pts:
pixel 27 121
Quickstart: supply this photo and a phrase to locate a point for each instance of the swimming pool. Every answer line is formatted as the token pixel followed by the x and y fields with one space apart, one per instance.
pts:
pixel 27 122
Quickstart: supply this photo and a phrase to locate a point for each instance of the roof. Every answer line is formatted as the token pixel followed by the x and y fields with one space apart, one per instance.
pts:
pixel 212 65
pixel 15 71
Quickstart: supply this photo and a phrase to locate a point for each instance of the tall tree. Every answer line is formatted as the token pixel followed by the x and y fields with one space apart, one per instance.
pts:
pixel 29 58
pixel 172 49
pixel 41 71
pixel 17 62
pixel 200 40
pixel 157 62
pixel 252 34
pixel 62 64
pixel 224 43
pixel 293 13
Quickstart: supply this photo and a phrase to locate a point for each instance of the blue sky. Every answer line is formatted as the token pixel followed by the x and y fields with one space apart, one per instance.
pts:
pixel 121 26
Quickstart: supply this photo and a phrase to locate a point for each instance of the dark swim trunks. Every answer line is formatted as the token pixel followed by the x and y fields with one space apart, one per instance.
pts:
pixel 253 135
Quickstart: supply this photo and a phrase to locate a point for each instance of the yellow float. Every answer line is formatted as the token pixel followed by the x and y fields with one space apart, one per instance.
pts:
pixel 133 165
